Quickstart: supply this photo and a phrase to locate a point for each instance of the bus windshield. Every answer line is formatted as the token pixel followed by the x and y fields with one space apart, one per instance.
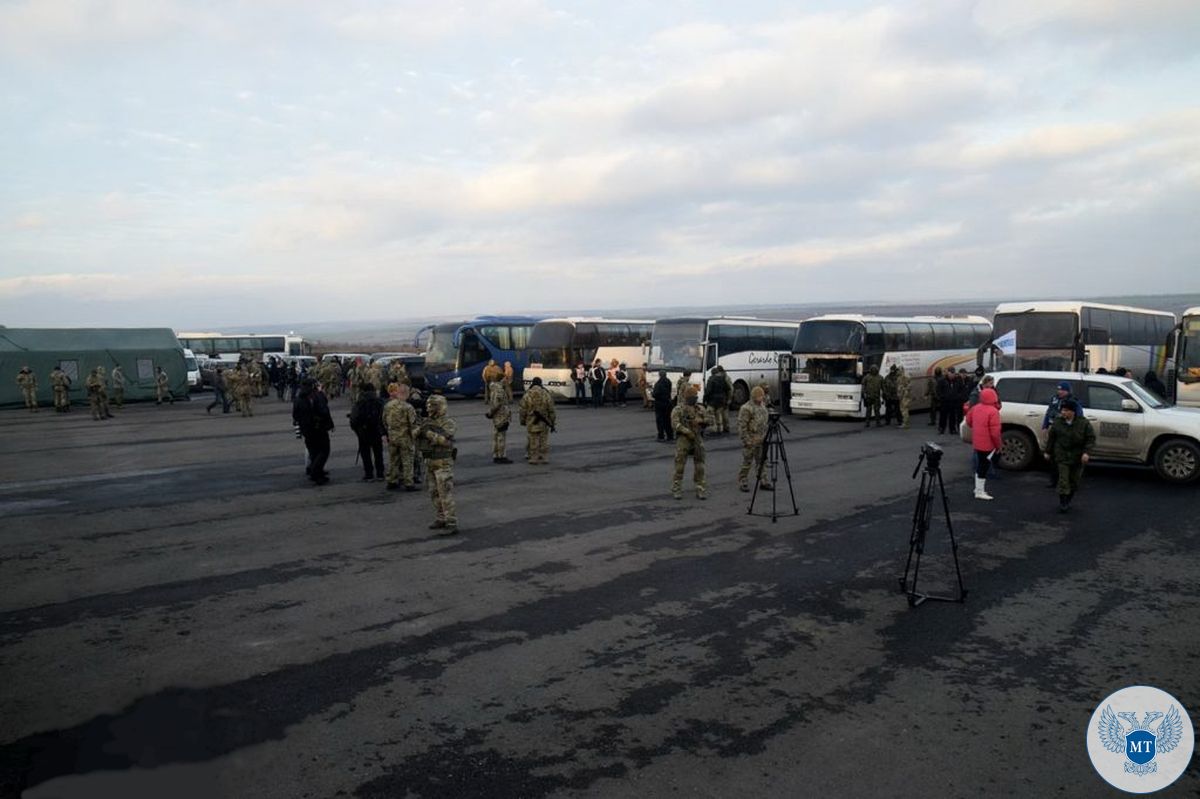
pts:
pixel 677 345
pixel 832 337
pixel 1039 330
pixel 551 344
pixel 442 355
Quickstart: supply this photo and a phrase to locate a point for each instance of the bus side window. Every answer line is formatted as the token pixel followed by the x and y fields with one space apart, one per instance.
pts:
pixel 473 351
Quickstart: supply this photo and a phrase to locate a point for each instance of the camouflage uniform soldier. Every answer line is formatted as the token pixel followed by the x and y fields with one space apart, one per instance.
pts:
pixel 27 380
pixel 97 398
pixel 752 427
pixel 681 385
pixel 689 420
pixel 500 412
pixel 398 374
pixel 351 375
pixel 118 386
pixel 508 375
pixel 103 393
pixel 872 391
pixel 537 417
pixel 233 385
pixel 643 385
pixel 259 380
pixel 399 425
pixel 162 388
pixel 904 395
pixel 246 390
pixel 375 376
pixel 435 438
pixel 61 384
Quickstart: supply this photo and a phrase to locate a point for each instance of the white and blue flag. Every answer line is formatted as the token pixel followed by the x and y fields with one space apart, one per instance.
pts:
pixel 1007 343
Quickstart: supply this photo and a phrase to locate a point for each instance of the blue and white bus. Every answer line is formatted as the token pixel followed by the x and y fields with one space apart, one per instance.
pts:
pixel 458 351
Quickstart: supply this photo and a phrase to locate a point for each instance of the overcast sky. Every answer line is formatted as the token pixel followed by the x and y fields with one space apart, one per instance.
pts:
pixel 207 164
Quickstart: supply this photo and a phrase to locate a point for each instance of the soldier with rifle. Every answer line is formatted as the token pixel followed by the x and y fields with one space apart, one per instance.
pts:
pixel 688 420
pixel 435 440
pixel 537 417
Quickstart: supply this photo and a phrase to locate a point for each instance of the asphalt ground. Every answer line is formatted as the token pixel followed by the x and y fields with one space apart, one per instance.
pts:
pixel 183 615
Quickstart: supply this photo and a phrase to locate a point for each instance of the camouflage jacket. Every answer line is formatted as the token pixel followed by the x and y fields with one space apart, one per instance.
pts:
pixel 537 403
pixel 752 423
pixel 26 380
pixel 499 410
pixel 435 437
pixel 59 379
pixel 399 421
pixel 689 421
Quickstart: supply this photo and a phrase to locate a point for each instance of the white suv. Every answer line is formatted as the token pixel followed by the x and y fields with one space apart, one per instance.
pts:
pixel 1132 424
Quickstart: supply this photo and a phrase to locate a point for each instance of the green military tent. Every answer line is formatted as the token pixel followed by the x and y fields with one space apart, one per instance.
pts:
pixel 79 350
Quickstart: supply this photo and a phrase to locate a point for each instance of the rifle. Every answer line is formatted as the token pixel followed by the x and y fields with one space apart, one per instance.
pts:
pixel 537 417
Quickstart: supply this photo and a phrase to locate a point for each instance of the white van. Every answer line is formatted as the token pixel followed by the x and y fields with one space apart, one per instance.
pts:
pixel 195 381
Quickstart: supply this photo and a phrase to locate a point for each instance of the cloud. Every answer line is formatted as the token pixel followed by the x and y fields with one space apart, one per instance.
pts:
pixel 51 30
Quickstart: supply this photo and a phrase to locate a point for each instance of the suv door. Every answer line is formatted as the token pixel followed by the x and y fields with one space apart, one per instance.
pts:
pixel 1120 433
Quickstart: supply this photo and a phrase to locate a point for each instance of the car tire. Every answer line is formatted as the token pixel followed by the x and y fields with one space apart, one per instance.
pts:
pixel 1177 460
pixel 1018 449
pixel 741 394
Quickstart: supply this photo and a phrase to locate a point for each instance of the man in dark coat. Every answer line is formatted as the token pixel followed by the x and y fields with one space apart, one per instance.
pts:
pixel 310 412
pixel 366 420
pixel 661 393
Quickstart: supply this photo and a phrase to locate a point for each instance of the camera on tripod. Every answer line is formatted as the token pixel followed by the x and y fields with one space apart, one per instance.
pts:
pixel 932 454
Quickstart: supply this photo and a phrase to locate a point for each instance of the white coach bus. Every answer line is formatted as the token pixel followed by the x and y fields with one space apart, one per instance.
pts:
pixel 748 349
pixel 1187 360
pixel 833 352
pixel 1072 336
pixel 556 345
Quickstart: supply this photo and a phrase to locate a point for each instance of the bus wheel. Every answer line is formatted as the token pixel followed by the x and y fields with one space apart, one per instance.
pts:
pixel 741 394
pixel 1177 460
pixel 1017 450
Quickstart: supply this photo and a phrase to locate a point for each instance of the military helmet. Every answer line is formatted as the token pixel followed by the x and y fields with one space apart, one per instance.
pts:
pixel 436 405
pixel 757 393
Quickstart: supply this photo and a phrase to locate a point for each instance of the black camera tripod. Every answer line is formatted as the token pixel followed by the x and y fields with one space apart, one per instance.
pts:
pixel 773 454
pixel 931 458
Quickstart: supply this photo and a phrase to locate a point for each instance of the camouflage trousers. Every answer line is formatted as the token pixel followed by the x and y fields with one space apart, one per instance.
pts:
pixel 537 446
pixel 904 403
pixel 163 393
pixel 441 490
pixel 119 396
pixel 246 403
pixel 683 448
pixel 99 405
pixel 30 395
pixel 1069 477
pixel 60 397
pixel 721 415
pixel 872 405
pixel 752 453
pixel 400 462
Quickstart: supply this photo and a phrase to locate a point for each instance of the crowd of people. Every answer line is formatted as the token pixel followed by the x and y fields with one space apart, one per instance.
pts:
pixel 419 435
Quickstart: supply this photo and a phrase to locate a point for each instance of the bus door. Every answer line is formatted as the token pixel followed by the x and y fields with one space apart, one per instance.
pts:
pixel 787 363
pixel 712 357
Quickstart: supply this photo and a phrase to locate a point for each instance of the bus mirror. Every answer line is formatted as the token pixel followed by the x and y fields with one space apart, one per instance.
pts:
pixel 858 368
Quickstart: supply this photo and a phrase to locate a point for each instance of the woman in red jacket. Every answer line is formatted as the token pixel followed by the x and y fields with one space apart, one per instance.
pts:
pixel 984 421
